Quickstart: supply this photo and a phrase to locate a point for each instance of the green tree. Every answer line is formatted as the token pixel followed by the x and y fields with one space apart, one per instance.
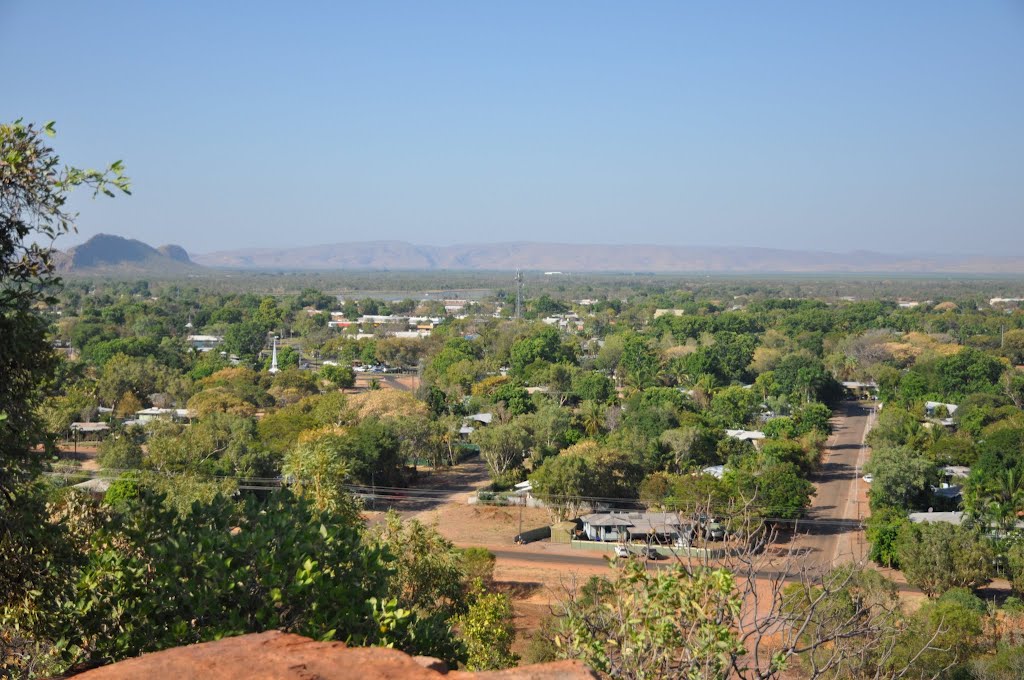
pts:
pixel 559 381
pixel 775 490
pixel 120 452
pixel 543 345
pixel 883 531
pixel 267 316
pixel 139 377
pixel 813 416
pixel 34 190
pixel 487 630
pixel 592 417
pixel 514 396
pixel 550 427
pixel 285 567
pixel 967 372
pixel 783 427
pixel 639 362
pixel 478 565
pixel 997 498
pixel 665 623
pixel 318 471
pixel 279 430
pixel 1015 565
pixel 59 411
pixel 564 483
pixel 936 556
pixel 503 447
pixel 896 427
pixel 220 444
pixel 339 376
pixel 592 386
pixel 427 570
pixel 687 447
pixel 444 445
pixel 245 339
pixel 686 493
pixel 733 407
pixel 806 378
pixel 373 452
pixel 902 479
pixel 942 635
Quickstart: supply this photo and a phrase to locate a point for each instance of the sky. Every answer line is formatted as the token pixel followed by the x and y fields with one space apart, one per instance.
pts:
pixel 888 126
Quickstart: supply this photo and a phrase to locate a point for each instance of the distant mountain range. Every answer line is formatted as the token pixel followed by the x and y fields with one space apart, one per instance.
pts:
pixel 106 254
pixel 564 257
pixel 113 254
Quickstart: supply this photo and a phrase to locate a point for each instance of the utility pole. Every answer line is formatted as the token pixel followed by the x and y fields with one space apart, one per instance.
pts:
pixel 522 502
pixel 518 294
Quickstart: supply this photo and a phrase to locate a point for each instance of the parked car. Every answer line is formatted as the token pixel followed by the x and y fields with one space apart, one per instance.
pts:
pixel 649 553
pixel 622 551
pixel 687 532
pixel 710 528
pixel 869 478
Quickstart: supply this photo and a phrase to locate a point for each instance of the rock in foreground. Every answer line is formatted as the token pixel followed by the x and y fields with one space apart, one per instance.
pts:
pixel 275 655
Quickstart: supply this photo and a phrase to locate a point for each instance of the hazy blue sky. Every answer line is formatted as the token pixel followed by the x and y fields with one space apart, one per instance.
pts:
pixel 891 126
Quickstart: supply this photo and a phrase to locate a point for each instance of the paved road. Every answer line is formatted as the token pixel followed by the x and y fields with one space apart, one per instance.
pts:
pixel 594 559
pixel 833 536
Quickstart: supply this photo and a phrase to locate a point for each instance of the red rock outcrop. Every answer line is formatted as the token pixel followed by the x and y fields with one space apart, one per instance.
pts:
pixel 283 656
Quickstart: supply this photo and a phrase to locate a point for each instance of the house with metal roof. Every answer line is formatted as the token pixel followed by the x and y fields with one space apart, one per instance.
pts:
pixel 935 410
pixel 752 436
pixel 624 526
pixel 97 487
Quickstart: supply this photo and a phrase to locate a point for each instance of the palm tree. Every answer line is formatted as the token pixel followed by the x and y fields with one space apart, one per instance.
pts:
pixel 704 390
pixel 1004 499
pixel 678 373
pixel 592 417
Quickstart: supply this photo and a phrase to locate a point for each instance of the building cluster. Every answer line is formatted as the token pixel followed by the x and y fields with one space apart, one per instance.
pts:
pixel 569 322
pixel 392 325
pixel 97 431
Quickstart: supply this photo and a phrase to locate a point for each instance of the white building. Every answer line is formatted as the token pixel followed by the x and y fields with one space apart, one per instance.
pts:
pixel 746 435
pixel 204 343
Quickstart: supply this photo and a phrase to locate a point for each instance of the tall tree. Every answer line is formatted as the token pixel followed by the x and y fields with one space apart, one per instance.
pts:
pixel 503 447
pixel 640 363
pixel 34 190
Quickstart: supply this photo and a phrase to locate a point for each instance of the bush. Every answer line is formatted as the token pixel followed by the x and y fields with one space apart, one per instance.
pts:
pixel 963 599
pixel 936 556
pixel 123 490
pixel 883 529
pixel 1014 606
pixel 488 632
pixel 478 563
pixel 227 569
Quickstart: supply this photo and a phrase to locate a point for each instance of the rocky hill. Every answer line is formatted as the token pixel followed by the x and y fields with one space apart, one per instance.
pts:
pixel 397 255
pixel 107 254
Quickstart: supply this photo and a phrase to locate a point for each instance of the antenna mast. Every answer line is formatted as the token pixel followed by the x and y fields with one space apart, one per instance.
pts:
pixel 519 294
